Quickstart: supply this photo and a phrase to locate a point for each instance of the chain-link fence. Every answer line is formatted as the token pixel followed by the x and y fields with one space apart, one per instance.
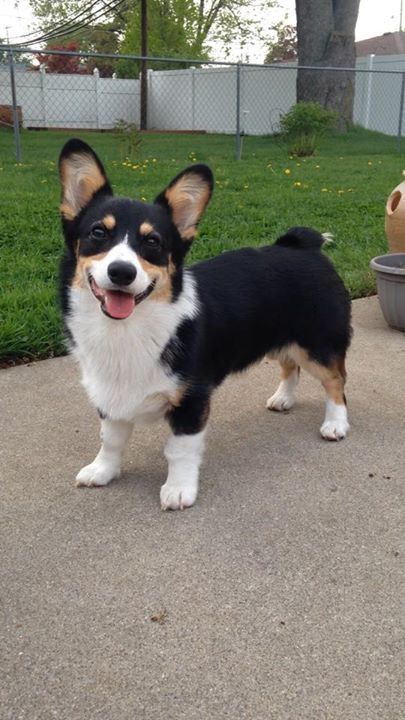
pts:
pixel 65 90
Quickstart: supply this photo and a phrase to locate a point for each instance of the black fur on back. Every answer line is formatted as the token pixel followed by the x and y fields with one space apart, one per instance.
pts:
pixel 302 238
pixel 255 301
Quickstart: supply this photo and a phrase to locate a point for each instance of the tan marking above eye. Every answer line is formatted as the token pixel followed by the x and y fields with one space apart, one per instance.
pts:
pixel 109 221
pixel 146 228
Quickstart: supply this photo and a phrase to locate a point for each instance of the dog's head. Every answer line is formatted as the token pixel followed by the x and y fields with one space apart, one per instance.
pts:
pixel 125 250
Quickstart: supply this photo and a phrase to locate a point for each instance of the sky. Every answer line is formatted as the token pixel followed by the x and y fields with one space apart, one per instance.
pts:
pixel 375 18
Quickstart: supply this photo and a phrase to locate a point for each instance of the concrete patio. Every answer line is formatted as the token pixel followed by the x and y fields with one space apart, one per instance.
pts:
pixel 279 596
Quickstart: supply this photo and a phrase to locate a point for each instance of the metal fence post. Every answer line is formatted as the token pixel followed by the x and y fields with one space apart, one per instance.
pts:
pixel 96 75
pixel 44 104
pixel 150 99
pixel 192 71
pixel 238 135
pixel 401 112
pixel 16 123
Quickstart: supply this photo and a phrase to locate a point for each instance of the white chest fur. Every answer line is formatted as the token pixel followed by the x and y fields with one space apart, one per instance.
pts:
pixel 120 359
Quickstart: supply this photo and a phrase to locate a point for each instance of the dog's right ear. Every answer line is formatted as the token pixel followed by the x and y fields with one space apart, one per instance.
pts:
pixel 82 176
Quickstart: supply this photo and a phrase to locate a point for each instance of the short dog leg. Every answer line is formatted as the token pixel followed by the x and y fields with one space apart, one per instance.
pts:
pixel 284 397
pixel 107 465
pixel 336 424
pixel 184 454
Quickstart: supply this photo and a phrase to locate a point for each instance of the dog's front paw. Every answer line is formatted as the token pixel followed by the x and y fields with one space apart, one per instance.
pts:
pixel 178 497
pixel 334 429
pixel 280 401
pixel 96 474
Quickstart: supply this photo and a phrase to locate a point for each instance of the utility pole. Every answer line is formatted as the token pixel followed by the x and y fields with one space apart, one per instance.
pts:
pixel 144 69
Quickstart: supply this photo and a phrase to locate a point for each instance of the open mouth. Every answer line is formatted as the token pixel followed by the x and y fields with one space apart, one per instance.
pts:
pixel 118 304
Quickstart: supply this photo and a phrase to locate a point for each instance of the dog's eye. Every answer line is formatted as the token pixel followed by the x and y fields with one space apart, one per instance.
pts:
pixel 98 232
pixel 152 241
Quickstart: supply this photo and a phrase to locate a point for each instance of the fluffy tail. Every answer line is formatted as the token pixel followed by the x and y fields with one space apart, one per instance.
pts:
pixel 303 238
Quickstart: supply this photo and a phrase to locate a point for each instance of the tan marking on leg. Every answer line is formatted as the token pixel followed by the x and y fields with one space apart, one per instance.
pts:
pixel 288 367
pixel 284 397
pixel 177 398
pixel 335 425
pixel 331 378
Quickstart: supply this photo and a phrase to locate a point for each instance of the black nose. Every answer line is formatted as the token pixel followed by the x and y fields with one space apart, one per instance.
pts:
pixel 121 273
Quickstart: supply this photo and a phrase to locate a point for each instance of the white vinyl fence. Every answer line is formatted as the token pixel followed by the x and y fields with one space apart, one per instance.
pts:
pixel 202 99
pixel 71 101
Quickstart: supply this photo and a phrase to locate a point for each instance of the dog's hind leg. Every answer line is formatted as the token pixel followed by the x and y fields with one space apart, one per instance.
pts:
pixel 284 397
pixel 333 378
pixel 107 465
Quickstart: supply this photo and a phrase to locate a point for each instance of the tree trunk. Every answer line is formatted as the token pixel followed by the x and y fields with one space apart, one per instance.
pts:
pixel 325 33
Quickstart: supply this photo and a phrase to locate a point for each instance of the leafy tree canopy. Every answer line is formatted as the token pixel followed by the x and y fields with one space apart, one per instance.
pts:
pixel 284 46
pixel 176 28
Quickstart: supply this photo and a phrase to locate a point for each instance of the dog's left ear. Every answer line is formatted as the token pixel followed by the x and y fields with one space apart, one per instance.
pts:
pixel 186 198
pixel 82 176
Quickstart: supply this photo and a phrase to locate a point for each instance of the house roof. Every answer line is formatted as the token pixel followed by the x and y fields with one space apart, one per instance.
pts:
pixel 391 43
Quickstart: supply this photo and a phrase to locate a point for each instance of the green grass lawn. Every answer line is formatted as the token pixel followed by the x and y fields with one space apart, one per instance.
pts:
pixel 342 190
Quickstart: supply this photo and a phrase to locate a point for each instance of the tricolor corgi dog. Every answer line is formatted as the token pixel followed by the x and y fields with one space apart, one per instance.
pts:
pixel 154 338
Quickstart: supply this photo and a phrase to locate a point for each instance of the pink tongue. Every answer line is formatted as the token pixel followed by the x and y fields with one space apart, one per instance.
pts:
pixel 119 304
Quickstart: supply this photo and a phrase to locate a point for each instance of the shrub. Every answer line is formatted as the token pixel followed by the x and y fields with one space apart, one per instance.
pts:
pixel 304 125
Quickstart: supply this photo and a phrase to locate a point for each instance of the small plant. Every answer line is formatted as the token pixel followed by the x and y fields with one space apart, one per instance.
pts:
pixel 129 137
pixel 304 125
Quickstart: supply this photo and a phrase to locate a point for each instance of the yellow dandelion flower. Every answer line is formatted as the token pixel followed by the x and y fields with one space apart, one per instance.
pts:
pixel 297 184
pixel 317 167
pixel 369 162
pixel 324 189
pixel 287 171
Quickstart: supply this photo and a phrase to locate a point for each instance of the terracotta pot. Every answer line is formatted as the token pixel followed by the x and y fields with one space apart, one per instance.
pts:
pixel 395 219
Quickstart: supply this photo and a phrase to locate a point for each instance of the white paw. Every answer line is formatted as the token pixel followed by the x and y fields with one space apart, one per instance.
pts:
pixel 334 429
pixel 280 401
pixel 96 474
pixel 178 497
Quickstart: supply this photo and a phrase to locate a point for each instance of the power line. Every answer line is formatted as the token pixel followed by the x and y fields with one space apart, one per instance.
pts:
pixel 68 22
pixel 71 26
